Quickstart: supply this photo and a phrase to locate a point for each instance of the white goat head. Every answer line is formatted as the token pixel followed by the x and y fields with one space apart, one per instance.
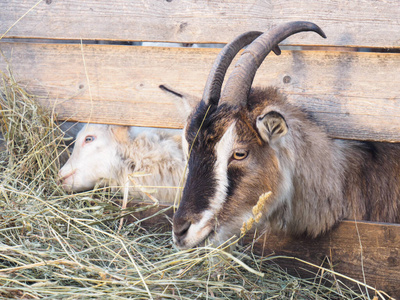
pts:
pixel 95 158
pixel 148 162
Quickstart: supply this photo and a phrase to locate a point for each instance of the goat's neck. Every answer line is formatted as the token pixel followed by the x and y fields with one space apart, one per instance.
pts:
pixel 314 165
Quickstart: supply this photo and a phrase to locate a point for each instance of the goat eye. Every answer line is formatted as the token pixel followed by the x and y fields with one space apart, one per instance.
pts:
pixel 89 139
pixel 239 155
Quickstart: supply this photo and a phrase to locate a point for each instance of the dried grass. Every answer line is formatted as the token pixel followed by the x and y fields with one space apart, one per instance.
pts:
pixel 61 246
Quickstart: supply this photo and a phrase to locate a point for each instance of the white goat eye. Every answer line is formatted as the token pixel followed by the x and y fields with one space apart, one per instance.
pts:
pixel 89 139
pixel 239 154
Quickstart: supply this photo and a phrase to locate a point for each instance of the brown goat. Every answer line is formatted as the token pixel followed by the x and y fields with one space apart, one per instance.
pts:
pixel 251 141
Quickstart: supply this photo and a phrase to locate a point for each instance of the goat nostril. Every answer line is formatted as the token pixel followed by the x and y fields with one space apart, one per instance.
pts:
pixel 181 230
pixel 61 179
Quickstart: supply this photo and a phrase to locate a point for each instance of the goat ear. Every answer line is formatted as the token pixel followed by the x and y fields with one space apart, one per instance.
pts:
pixel 185 103
pixel 271 126
pixel 121 133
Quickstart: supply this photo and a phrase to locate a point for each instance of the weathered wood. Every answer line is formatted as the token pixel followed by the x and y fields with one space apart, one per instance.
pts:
pixel 354 95
pixel 350 23
pixel 354 249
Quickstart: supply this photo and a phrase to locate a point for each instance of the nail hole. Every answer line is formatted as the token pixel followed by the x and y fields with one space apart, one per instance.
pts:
pixel 287 79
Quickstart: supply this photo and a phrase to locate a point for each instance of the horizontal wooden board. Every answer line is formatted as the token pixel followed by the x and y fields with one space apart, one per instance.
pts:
pixel 372 23
pixel 351 249
pixel 354 95
pixel 354 249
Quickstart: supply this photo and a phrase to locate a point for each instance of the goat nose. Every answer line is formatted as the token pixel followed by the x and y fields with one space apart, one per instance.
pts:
pixel 180 230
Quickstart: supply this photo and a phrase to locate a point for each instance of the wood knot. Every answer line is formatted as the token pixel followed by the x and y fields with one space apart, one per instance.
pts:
pixel 287 79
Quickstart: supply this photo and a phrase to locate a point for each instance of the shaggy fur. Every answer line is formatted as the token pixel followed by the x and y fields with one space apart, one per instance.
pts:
pixel 150 158
pixel 331 179
pixel 315 181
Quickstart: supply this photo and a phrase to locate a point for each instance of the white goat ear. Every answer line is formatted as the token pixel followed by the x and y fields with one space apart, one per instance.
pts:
pixel 271 126
pixel 121 133
pixel 185 103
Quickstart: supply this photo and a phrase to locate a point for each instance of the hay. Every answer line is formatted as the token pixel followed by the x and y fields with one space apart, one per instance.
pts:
pixel 61 246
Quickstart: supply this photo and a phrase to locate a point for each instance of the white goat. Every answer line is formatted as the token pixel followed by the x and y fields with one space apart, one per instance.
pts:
pixel 150 161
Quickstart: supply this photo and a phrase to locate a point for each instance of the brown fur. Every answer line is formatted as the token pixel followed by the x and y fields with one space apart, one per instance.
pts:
pixel 316 181
pixel 332 179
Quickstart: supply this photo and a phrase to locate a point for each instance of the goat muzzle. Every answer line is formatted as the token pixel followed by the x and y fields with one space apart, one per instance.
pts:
pixel 180 231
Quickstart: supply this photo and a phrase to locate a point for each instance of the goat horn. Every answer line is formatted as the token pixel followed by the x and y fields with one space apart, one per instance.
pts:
pixel 212 90
pixel 239 82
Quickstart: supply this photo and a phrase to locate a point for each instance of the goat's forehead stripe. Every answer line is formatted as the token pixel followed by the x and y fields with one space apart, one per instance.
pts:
pixel 222 150
pixel 224 147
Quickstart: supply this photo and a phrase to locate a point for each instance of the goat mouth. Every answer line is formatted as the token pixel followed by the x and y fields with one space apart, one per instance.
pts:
pixel 188 243
pixel 61 179
pixel 209 237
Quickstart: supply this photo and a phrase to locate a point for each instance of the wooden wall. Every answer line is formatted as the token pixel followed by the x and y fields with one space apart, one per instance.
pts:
pixel 353 94
pixel 346 23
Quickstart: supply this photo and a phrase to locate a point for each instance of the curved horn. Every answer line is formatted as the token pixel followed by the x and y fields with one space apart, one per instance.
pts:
pixel 240 81
pixel 212 90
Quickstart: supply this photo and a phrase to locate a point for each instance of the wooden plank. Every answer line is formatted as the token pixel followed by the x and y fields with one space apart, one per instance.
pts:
pixel 354 95
pixel 353 249
pixel 371 23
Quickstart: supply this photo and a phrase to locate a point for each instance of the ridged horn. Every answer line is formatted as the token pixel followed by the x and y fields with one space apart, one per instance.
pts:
pixel 212 90
pixel 239 82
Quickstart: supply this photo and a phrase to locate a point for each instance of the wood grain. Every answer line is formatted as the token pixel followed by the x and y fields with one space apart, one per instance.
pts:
pixel 353 95
pixel 371 23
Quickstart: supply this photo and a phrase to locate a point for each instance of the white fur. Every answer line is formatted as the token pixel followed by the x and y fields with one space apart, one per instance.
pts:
pixel 199 231
pixel 224 151
pixel 185 144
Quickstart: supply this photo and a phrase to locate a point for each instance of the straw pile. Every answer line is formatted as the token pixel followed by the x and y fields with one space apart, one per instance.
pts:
pixel 61 246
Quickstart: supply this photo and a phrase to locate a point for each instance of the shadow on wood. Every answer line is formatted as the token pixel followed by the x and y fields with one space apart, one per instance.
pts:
pixel 364 251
